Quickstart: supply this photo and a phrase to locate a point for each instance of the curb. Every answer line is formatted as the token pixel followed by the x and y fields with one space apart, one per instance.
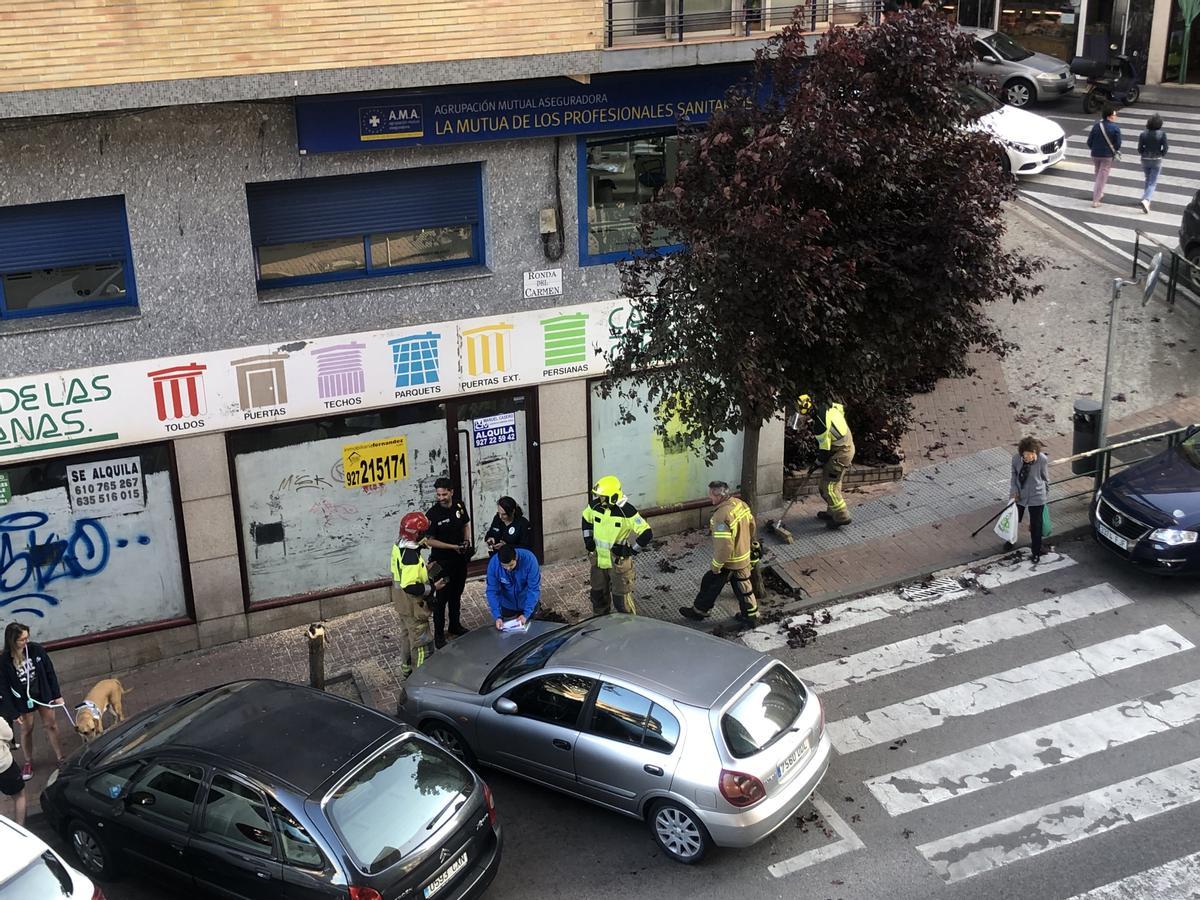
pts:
pixel 950 566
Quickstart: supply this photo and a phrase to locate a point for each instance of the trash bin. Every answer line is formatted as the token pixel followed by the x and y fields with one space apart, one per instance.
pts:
pixel 1087 435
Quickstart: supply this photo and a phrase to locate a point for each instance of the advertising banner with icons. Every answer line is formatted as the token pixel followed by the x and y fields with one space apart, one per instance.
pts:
pixel 131 403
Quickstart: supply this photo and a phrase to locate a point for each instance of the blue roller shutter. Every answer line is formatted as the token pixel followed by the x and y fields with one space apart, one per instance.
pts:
pixel 68 233
pixel 285 212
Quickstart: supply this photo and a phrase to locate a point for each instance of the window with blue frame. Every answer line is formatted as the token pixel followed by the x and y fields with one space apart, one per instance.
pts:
pixel 364 226
pixel 616 176
pixel 65 257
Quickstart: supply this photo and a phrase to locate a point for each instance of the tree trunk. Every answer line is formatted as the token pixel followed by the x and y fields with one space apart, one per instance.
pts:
pixel 749 491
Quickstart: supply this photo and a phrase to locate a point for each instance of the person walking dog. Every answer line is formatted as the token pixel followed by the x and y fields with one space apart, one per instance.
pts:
pixel 1105 144
pixel 1152 147
pixel 1029 488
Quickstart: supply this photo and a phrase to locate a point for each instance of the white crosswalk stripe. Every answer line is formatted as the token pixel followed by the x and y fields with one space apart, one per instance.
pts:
pixel 993 692
pixel 996 762
pixel 1175 880
pixel 925 648
pixel 1059 824
pixel 1065 191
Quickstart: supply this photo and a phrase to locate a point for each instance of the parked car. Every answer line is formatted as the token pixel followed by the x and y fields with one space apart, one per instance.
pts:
pixel 1149 513
pixel 1031 143
pixel 1189 238
pixel 30 870
pixel 266 790
pixel 709 742
pixel 1022 75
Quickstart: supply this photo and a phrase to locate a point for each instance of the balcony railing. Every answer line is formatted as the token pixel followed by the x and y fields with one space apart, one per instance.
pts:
pixel 647 22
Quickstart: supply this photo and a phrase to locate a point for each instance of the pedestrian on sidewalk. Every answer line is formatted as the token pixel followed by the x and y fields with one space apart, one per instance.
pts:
pixel 12 784
pixel 449 540
pixel 1152 147
pixel 28 678
pixel 1029 488
pixel 514 585
pixel 509 526
pixel 1105 144
pixel 613 531
pixel 412 592
pixel 835 453
pixel 732 528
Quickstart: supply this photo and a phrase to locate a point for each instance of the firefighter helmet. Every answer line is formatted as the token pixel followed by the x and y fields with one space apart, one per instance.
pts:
pixel 607 489
pixel 413 525
pixel 804 404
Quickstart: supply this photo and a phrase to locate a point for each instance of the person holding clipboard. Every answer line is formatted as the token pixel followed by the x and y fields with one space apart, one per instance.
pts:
pixel 514 587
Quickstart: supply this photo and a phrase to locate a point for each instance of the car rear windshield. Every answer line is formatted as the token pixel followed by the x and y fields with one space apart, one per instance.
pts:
pixel 394 802
pixel 763 713
pixel 43 879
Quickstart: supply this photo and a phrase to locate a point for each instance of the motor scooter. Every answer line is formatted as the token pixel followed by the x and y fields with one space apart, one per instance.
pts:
pixel 1112 81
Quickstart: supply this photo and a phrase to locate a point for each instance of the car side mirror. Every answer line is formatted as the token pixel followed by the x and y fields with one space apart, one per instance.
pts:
pixel 141 798
pixel 505 707
pixel 988 58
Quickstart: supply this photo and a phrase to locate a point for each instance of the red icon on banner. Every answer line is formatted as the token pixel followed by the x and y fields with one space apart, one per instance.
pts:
pixel 179 392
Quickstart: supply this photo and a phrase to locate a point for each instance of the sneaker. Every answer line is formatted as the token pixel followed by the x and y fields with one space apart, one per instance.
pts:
pixel 26 771
pixel 1008 545
pixel 457 630
pixel 1095 203
pixel 1146 207
pixel 824 514
pixel 1036 559
pixel 742 619
pixel 690 612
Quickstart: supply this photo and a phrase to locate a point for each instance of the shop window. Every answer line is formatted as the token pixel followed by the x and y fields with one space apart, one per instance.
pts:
pixel 617 176
pixel 364 226
pixel 305 527
pixel 654 471
pixel 90 543
pixel 65 257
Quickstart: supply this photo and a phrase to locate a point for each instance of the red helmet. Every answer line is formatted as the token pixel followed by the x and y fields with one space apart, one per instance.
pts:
pixel 413 525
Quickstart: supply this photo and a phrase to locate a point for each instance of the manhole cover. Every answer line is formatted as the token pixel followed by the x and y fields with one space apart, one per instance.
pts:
pixel 930 590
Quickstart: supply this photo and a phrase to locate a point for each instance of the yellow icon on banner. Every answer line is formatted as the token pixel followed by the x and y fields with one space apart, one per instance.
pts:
pixel 375 462
pixel 488 348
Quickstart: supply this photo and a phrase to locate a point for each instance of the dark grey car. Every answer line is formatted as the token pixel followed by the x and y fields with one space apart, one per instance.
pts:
pixel 708 741
pixel 1022 75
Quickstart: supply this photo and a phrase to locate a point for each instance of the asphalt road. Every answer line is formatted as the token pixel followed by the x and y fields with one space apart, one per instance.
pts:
pixel 985 752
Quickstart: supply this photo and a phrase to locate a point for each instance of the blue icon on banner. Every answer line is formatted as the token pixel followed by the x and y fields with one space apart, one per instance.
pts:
pixel 415 359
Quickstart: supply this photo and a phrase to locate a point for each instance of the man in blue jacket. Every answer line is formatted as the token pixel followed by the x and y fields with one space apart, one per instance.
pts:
pixel 514 585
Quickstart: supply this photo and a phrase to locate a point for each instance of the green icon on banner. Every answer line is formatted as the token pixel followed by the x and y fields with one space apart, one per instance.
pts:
pixel 565 339
pixel 5 489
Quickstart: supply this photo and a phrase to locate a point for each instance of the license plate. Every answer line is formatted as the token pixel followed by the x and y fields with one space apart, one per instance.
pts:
pixel 790 763
pixel 442 880
pixel 1111 535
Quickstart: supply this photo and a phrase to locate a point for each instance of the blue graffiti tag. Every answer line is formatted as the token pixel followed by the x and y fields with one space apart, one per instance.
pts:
pixel 25 574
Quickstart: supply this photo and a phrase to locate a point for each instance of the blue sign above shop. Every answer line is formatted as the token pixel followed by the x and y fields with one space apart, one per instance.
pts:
pixel 517 109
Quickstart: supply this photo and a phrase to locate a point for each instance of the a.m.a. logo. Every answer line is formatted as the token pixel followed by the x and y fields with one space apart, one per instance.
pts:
pixel 47 414
pixel 389 123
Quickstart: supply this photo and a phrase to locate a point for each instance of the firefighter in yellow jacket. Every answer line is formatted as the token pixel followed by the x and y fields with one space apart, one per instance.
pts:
pixel 835 453
pixel 613 530
pixel 734 552
pixel 412 591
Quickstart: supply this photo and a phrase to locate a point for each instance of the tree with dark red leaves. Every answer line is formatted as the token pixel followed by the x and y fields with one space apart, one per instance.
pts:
pixel 841 237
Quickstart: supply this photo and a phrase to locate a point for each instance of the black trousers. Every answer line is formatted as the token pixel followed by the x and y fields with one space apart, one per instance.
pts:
pixel 713 583
pixel 1035 527
pixel 449 598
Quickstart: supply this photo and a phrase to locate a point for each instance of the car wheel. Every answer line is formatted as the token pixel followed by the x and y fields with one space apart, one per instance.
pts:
pixel 1019 93
pixel 1132 97
pixel 680 834
pixel 450 740
pixel 93 854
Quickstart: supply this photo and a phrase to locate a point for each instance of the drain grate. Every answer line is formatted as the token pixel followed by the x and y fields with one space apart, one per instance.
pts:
pixel 931 590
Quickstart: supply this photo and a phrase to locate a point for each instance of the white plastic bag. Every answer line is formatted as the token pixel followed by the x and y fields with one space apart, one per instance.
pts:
pixel 1006 525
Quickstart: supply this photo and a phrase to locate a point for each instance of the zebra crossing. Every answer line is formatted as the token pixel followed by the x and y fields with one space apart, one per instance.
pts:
pixel 966 843
pixel 1065 191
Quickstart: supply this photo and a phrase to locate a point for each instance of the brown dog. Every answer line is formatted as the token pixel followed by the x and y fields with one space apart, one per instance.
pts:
pixel 107 696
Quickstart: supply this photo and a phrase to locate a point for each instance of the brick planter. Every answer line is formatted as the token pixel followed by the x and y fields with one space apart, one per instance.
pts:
pixel 798 484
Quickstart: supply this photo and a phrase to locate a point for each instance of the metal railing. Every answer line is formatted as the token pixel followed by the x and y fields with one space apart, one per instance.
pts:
pixel 650 21
pixel 1104 464
pixel 1178 272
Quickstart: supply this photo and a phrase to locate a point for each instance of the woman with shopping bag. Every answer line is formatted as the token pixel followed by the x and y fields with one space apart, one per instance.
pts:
pixel 1029 489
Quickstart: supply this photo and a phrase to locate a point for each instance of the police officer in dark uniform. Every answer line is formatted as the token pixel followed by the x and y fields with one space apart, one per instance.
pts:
pixel 449 540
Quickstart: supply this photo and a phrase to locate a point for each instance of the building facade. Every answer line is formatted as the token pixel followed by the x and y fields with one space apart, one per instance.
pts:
pixel 269 270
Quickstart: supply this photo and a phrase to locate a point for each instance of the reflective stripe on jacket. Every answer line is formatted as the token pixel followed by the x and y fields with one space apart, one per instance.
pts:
pixel 408 569
pixel 732 527
pixel 606 526
pixel 837 430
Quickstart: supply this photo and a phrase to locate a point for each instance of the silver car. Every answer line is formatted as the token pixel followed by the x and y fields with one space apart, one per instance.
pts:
pixel 709 742
pixel 1023 76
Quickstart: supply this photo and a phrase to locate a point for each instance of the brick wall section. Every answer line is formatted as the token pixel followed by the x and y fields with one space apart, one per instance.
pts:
pixel 73 43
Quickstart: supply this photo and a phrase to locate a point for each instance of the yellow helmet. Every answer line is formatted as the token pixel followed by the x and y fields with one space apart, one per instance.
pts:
pixel 804 404
pixel 607 488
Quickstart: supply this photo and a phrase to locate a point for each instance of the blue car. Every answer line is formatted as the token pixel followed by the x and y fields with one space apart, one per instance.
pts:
pixel 1149 513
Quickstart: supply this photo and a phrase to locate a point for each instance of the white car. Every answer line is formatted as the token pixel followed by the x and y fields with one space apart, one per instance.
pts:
pixel 1033 143
pixel 30 870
